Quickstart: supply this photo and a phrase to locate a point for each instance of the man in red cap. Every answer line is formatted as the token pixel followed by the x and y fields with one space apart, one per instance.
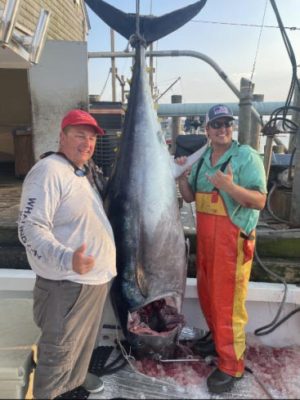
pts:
pixel 70 246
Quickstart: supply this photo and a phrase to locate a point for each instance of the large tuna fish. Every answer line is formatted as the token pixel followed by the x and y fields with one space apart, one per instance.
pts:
pixel 142 201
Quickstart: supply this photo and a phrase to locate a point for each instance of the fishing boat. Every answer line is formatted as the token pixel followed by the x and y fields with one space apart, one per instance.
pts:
pixel 272 360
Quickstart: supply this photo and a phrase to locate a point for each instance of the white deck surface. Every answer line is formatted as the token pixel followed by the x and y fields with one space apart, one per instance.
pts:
pixel 277 368
pixel 275 375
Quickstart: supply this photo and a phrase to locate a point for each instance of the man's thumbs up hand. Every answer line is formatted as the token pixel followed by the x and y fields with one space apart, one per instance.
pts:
pixel 80 262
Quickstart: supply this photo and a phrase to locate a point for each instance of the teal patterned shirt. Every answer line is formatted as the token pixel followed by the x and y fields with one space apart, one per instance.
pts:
pixel 248 172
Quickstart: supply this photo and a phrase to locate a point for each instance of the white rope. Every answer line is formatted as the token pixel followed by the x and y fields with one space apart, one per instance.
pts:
pixel 258 42
pixel 102 91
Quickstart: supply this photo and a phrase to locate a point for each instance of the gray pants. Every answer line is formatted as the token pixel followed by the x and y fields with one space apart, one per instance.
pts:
pixel 69 316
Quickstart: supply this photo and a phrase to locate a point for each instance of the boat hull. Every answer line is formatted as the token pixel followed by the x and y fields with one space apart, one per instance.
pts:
pixel 262 303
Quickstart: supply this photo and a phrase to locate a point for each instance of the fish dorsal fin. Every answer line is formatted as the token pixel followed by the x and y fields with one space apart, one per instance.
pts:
pixel 151 28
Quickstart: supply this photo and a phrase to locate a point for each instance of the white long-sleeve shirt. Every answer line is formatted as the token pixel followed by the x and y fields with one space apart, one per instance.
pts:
pixel 60 211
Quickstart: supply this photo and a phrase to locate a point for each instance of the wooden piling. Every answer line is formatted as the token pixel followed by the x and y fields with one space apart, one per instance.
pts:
pixel 246 90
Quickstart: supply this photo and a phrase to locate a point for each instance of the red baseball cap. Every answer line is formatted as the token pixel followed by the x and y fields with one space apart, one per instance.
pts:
pixel 80 117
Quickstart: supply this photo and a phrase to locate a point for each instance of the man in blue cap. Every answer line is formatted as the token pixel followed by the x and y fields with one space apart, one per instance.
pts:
pixel 229 187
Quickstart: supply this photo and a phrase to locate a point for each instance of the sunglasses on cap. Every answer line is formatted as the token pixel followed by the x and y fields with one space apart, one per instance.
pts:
pixel 220 124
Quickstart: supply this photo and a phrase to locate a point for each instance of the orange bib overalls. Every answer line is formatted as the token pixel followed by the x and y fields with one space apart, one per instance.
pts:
pixel 224 259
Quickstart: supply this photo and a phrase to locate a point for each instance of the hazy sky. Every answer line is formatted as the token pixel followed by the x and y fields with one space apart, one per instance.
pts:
pixel 232 45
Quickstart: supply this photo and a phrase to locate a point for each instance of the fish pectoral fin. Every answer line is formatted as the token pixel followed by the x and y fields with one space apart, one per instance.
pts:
pixel 141 280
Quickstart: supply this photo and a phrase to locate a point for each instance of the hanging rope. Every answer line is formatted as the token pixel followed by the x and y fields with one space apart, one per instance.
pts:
pixel 258 42
pixel 202 21
pixel 102 91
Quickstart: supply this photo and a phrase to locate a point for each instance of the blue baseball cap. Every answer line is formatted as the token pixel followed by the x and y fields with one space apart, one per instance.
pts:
pixel 219 111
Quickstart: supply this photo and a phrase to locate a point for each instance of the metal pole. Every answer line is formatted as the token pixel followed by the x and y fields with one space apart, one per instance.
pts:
pixel 137 20
pixel 113 66
pixel 179 53
pixel 244 136
pixel 268 155
pixel 151 70
pixel 295 117
pixel 168 88
pixel 122 83
pixel 173 53
pixel 8 17
pixel 175 123
pixel 255 125
pixel 191 109
pixel 294 144
pixel 295 209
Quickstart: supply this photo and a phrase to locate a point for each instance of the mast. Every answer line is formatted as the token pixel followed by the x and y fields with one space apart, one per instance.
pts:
pixel 113 65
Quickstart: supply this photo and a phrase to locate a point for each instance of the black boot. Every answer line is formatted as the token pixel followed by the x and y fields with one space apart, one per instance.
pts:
pixel 205 349
pixel 219 382
pixel 206 338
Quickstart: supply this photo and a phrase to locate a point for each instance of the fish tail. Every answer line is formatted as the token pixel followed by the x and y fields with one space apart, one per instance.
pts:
pixel 151 28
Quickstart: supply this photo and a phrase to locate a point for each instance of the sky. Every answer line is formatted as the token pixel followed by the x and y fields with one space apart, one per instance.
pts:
pixel 222 31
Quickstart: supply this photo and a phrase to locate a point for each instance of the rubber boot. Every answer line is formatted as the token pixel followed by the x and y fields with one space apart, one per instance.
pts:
pixel 219 382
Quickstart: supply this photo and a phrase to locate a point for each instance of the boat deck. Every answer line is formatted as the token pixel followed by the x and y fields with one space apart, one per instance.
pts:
pixel 275 370
pixel 275 374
